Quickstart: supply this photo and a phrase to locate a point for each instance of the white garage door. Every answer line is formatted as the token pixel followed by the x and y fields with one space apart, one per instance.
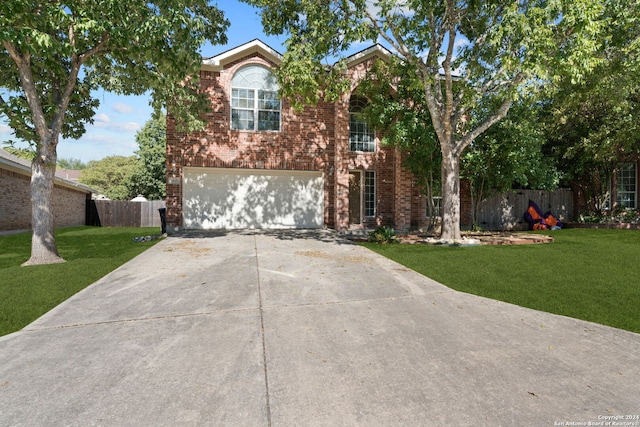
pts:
pixel 217 198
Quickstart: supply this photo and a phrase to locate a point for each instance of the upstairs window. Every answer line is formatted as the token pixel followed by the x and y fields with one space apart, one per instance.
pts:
pixel 361 136
pixel 255 103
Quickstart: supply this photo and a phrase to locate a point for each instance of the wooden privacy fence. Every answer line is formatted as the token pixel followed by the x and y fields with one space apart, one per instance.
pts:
pixel 118 213
pixel 506 211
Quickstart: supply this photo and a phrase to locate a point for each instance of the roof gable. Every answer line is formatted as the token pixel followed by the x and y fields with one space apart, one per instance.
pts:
pixel 376 50
pixel 218 62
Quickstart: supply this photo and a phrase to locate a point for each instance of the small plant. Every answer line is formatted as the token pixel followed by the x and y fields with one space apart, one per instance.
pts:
pixel 383 235
pixel 591 217
pixel 476 228
pixel 630 216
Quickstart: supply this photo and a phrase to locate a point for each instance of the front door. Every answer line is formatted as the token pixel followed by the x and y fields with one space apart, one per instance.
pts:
pixel 355 197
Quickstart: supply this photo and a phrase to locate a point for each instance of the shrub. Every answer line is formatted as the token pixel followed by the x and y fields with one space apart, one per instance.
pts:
pixel 383 235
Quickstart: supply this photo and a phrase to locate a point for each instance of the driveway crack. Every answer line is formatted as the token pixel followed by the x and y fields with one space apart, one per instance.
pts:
pixel 264 344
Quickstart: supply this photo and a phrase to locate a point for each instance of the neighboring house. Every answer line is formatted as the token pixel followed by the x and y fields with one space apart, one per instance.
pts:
pixel 68 174
pixel 260 165
pixel 69 198
pixel 620 193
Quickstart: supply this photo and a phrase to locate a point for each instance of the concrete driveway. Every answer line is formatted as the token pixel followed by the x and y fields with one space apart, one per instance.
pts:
pixel 305 329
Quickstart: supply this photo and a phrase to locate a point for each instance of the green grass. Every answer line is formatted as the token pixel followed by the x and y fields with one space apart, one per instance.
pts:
pixel 26 293
pixel 587 274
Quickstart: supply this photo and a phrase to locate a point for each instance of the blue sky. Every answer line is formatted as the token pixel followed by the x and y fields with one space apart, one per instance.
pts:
pixel 119 117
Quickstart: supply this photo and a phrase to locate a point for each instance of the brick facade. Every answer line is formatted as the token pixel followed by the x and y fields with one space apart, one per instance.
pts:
pixel 69 205
pixel 314 140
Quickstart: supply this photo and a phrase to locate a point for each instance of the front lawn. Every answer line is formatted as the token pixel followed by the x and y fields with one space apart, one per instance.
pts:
pixel 26 293
pixel 587 274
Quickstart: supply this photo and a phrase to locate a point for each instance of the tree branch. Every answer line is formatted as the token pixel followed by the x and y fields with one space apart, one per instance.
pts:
pixel 96 49
pixel 23 62
pixel 500 114
pixel 446 65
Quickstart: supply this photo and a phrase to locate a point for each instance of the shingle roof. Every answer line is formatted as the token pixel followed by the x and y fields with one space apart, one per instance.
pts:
pixel 16 164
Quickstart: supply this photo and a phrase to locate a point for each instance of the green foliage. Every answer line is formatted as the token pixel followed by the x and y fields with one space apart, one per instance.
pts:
pixel 383 235
pixel 592 125
pixel 509 155
pixel 149 177
pixel 90 253
pixel 71 164
pixel 586 274
pixel 111 176
pixel 23 153
pixel 492 47
pixel 125 47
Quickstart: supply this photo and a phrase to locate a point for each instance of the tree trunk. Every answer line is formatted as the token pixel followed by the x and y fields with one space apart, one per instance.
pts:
pixel 43 244
pixel 431 210
pixel 450 195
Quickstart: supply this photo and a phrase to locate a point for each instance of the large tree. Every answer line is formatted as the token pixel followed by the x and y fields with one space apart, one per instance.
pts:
pixel 111 176
pixel 54 54
pixel 71 163
pixel 149 177
pixel 465 52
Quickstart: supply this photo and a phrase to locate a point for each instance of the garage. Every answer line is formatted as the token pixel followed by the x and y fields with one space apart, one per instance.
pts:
pixel 221 198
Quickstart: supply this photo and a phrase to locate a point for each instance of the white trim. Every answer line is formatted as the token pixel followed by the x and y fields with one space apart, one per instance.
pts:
pixel 364 194
pixel 218 62
pixel 375 50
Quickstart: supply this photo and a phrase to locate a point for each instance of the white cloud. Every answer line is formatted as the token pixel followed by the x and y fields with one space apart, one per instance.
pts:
pixel 122 108
pixel 125 127
pixel 96 138
pixel 101 120
pixel 5 129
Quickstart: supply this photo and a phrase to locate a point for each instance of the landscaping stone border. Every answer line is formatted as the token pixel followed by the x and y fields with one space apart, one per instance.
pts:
pixel 608 225
pixel 498 238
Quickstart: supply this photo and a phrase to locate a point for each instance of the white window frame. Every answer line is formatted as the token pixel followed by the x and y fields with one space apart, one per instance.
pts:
pixel 254 95
pixel 361 137
pixel 627 191
pixel 369 194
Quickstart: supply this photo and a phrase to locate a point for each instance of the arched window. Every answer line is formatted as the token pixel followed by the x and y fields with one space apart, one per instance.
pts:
pixel 361 136
pixel 255 103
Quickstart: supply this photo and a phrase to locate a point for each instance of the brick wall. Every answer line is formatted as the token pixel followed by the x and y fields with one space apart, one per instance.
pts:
pixel 15 201
pixel 69 205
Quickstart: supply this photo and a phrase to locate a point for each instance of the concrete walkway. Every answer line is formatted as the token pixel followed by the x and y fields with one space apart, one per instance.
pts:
pixel 305 329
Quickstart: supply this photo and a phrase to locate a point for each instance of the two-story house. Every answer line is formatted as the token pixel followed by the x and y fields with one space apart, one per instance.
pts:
pixel 260 165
